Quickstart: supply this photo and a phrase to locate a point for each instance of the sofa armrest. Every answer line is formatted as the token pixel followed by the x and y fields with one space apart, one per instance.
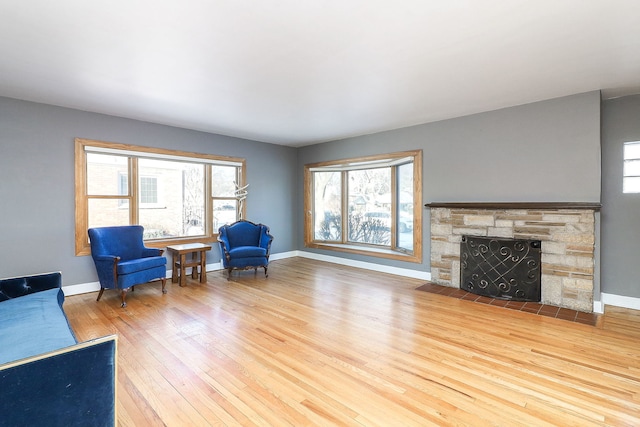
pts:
pixel 75 385
pixel 14 287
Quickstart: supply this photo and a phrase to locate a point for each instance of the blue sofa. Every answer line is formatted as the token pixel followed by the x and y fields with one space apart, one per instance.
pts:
pixel 46 376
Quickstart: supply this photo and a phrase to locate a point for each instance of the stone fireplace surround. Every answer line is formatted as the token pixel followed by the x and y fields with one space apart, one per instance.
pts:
pixel 567 231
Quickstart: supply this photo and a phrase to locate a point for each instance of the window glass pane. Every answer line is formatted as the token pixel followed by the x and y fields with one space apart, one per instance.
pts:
pixel 123 184
pixel 369 219
pixel 405 206
pixel 631 180
pixel 327 204
pixel 106 174
pixel 108 212
pixel 223 180
pixel 631 150
pixel 171 197
pixel 631 185
pixel 224 212
pixel 632 168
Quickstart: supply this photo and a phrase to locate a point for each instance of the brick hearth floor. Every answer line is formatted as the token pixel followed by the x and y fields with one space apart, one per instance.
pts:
pixel 529 307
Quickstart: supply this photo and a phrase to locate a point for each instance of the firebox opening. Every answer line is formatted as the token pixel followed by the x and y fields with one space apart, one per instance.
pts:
pixel 501 268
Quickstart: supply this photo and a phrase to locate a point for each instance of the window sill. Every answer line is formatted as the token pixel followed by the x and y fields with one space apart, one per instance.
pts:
pixel 365 250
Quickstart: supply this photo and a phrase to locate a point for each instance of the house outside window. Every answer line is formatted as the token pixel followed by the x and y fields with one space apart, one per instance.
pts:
pixel 368 205
pixel 148 190
pixel 631 175
pixel 175 195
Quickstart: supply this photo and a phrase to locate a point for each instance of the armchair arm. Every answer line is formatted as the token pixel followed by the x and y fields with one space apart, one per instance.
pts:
pixel 106 259
pixel 147 252
pixel 265 239
pixel 107 269
pixel 224 246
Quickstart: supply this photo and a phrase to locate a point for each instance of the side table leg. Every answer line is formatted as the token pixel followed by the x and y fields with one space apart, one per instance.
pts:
pixel 194 269
pixel 203 267
pixel 174 269
pixel 183 261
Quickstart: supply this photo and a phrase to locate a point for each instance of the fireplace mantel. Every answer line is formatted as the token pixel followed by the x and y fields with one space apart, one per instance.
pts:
pixel 516 205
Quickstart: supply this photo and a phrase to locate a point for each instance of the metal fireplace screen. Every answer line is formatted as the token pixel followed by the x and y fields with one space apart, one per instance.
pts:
pixel 501 268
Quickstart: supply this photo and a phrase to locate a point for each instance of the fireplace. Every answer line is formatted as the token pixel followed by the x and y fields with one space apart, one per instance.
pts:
pixel 501 268
pixel 567 233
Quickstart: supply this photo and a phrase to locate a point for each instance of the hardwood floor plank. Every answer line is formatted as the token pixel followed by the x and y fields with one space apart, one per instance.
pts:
pixel 318 344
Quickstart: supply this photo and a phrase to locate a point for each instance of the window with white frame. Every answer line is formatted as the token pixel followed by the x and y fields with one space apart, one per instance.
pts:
pixel 631 175
pixel 148 190
pixel 370 205
pixel 177 196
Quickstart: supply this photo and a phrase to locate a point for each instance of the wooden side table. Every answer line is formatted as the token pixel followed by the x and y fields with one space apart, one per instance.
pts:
pixel 198 253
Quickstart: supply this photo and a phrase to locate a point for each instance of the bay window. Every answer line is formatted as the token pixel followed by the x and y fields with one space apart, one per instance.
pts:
pixel 368 205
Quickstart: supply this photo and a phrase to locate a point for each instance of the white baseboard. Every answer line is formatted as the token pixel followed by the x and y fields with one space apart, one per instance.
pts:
pixel 416 274
pixel 83 288
pixel 598 306
pixel 283 255
pixel 620 301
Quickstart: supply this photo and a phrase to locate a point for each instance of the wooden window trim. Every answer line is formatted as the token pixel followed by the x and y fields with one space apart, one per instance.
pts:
pixel 82 246
pixel 363 249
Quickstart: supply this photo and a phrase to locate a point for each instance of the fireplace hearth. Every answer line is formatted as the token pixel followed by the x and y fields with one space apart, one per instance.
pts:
pixel 501 268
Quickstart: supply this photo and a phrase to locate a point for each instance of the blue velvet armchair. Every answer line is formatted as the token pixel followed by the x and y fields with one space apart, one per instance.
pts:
pixel 122 261
pixel 245 245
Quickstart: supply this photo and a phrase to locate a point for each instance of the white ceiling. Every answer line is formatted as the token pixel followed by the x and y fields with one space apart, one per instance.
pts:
pixel 296 72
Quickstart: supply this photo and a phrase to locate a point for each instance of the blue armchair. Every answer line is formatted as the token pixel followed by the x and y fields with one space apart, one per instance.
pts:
pixel 122 261
pixel 245 245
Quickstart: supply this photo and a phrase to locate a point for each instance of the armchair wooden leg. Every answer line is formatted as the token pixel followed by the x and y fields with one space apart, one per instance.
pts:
pixel 100 294
pixel 164 283
pixel 229 275
pixel 265 271
pixel 123 295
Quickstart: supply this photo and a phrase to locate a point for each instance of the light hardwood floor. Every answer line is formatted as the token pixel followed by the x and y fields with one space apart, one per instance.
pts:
pixel 323 344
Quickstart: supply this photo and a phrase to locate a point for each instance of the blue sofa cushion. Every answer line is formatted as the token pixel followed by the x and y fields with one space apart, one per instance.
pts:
pixel 248 251
pixel 135 265
pixel 33 324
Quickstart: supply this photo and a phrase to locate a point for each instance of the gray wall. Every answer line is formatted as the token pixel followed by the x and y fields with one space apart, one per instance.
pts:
pixel 37 182
pixel 545 151
pixel 620 212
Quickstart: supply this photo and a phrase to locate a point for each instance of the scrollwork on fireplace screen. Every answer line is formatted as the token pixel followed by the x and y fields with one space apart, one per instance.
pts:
pixel 501 268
